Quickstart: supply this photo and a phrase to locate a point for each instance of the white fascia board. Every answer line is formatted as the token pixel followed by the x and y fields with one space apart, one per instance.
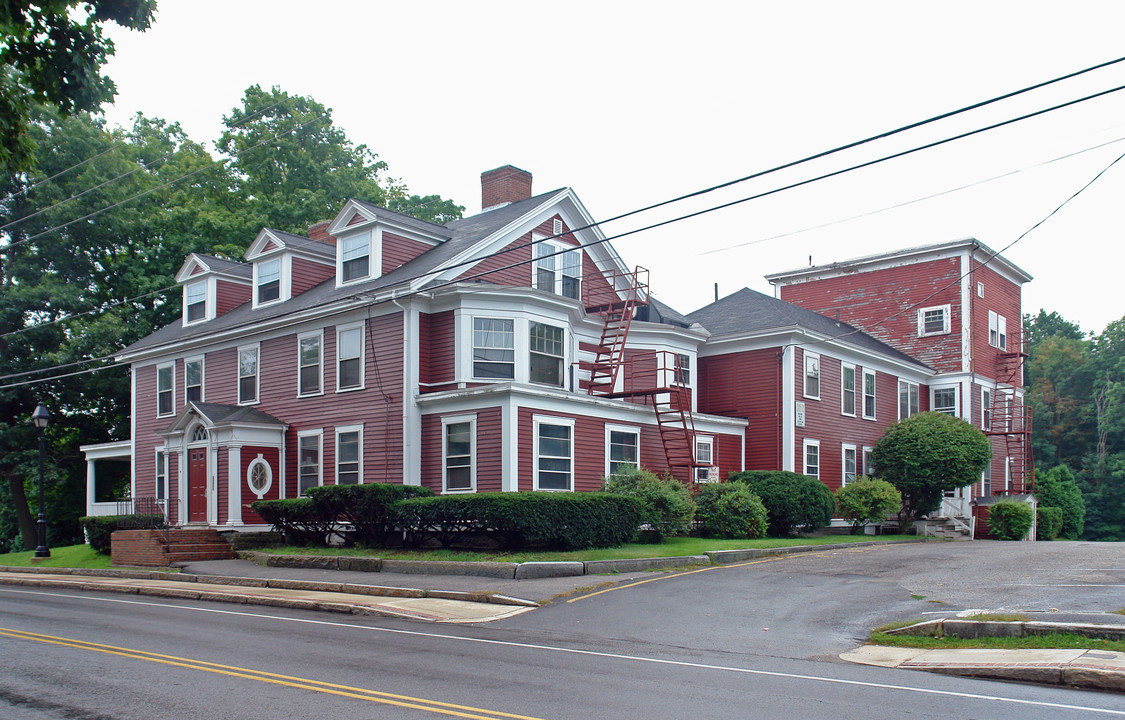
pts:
pixel 194 260
pixel 472 297
pixel 257 248
pixel 659 335
pixel 411 233
pixel 597 246
pixel 102 451
pixel 351 207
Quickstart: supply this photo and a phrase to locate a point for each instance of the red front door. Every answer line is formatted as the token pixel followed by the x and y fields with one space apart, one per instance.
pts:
pixel 197 485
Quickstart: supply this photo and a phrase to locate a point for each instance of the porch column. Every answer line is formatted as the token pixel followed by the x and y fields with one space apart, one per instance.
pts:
pixel 234 485
pixel 91 485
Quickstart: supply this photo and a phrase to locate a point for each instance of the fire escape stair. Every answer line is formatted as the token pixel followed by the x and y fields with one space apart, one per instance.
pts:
pixel 1011 419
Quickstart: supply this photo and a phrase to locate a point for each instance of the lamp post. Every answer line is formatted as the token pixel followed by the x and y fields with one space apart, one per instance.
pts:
pixel 41 417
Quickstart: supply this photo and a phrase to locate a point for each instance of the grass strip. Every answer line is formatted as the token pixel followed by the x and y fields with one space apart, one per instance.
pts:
pixel 68 556
pixel 1056 641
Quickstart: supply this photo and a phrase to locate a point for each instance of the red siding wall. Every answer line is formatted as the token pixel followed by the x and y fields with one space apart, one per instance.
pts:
pixel 249 454
pixel 438 352
pixel 1003 298
pixel 747 385
pixel 489 456
pixel 398 250
pixel 230 295
pixel 308 274
pixel 489 269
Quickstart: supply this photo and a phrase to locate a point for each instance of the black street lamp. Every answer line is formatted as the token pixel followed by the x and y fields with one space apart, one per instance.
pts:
pixel 41 417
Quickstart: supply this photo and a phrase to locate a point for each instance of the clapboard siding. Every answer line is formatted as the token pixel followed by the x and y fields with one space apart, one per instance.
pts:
pixel 747 385
pixel 229 295
pixel 437 351
pixel 398 250
pixel 1003 298
pixel 489 455
pixel 308 274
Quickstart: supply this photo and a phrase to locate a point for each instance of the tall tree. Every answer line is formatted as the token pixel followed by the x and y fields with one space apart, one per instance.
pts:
pixel 51 53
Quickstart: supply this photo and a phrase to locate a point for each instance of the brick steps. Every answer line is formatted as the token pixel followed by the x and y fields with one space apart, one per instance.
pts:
pixel 159 548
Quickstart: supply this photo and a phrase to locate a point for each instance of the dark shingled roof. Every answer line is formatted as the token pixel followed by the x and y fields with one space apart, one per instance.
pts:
pixel 658 312
pixel 748 311
pixel 463 234
pixel 300 242
pixel 219 413
pixel 230 267
pixel 423 225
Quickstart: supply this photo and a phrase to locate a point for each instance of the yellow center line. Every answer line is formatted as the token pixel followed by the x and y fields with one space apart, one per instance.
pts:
pixel 709 568
pixel 348 691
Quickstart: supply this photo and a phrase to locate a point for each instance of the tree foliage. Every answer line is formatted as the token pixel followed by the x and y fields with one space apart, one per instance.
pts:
pixel 1058 488
pixel 928 454
pixel 867 500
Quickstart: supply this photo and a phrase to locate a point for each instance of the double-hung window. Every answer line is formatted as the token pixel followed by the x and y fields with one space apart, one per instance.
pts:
pixel 849 463
pixel 309 473
pixel 933 321
pixel 869 394
pixel 622 449
pixel 547 355
pixel 812 458
pixel 195 301
pixel 161 475
pixel 349 357
pixel 193 380
pixel 558 269
pixel 494 349
pixel 309 363
pixel 269 281
pixel 812 375
pixel 458 454
pixel 944 401
pixel 248 375
pixel 349 454
pixel 704 456
pixel 554 453
pixel 847 390
pixel 355 257
pixel 986 409
pixel 683 369
pixel 907 399
pixel 165 389
pixel 868 462
pixel 997 330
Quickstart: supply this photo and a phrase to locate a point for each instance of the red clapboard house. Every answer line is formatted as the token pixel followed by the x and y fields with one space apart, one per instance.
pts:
pixel 515 351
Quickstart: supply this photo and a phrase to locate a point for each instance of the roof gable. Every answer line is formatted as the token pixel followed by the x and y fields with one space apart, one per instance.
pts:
pixel 198 264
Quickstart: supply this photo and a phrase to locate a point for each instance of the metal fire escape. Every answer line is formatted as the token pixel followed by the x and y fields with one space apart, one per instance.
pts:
pixel 653 377
pixel 1011 418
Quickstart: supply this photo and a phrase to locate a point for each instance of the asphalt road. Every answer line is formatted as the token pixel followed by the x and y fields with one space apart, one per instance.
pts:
pixel 756 641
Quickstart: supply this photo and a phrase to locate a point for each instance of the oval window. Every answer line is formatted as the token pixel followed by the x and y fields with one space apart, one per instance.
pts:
pixel 259 476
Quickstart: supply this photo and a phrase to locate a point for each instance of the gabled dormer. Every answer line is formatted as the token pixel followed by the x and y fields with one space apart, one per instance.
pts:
pixel 371 241
pixel 285 265
pixel 211 286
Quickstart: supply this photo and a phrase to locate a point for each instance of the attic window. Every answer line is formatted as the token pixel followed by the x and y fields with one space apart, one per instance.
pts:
pixel 195 301
pixel 355 258
pixel 933 321
pixel 269 281
pixel 558 269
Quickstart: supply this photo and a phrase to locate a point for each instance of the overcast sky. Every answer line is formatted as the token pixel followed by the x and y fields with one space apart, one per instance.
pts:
pixel 633 103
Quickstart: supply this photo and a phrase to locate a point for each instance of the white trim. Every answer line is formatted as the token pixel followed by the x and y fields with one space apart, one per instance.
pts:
pixel 633 430
pixel 446 421
pixel 234 486
pixel 844 448
pixel 805 445
pixel 374 254
pixel 473 347
pixel 956 398
pixel 411 416
pixel 340 329
pixel 318 433
pixel 874 394
pixel 319 335
pixel 788 407
pixel 537 422
pixel 257 348
pixel 945 320
pixel 855 390
pixel 171 389
pixel 702 474
pixel 281 284
pixel 341 430
pixel 815 357
pixel 210 299
pixel 898 397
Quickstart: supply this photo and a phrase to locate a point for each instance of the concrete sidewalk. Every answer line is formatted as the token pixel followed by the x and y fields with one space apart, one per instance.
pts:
pixel 1099 669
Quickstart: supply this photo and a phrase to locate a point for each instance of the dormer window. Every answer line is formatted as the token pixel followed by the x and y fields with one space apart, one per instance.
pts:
pixel 355 257
pixel 558 272
pixel 195 301
pixel 268 287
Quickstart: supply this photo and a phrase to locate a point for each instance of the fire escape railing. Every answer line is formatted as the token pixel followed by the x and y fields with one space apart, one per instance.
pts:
pixel 1010 418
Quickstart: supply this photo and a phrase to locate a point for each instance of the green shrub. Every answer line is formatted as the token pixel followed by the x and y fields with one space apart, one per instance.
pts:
pixel 1049 522
pixel 729 510
pixel 99 528
pixel 557 521
pixel 867 500
pixel 365 507
pixel 794 503
pixel 1058 488
pixel 667 507
pixel 300 520
pixel 1009 520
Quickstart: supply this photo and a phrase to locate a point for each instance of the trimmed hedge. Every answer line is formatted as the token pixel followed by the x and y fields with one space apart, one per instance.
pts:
pixel 1049 523
pixel 867 500
pixel 366 507
pixel 99 528
pixel 557 521
pixel 1009 520
pixel 300 520
pixel 729 510
pixel 667 507
pixel 794 503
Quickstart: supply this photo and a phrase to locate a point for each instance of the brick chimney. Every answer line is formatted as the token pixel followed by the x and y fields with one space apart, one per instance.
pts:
pixel 319 231
pixel 507 184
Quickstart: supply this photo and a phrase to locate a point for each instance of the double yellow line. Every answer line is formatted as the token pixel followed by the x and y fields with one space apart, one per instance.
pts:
pixel 405 701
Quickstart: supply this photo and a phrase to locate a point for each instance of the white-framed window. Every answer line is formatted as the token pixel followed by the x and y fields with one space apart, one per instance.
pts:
pixel 933 320
pixel 248 375
pixel 547 354
pixel 349 454
pixel 459 452
pixel 868 394
pixel 355 258
pixel 193 380
pixel 811 451
pixel 997 330
pixel 267 282
pixel 259 476
pixel 980 289
pixel 310 363
pixel 161 475
pixel 848 461
pixel 195 302
pixel 812 375
pixel 986 409
pixel 622 449
pixel 554 453
pixel 558 268
pixel 847 390
pixel 494 348
pixel 869 462
pixel 165 389
pixel 944 400
pixel 705 456
pixel 986 479
pixel 349 357
pixel 310 468
pixel 556 227
pixel 1007 474
pixel 907 399
pixel 683 369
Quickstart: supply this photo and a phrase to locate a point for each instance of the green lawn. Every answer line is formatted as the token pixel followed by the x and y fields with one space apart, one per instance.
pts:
pixel 1056 641
pixel 72 556
pixel 671 548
